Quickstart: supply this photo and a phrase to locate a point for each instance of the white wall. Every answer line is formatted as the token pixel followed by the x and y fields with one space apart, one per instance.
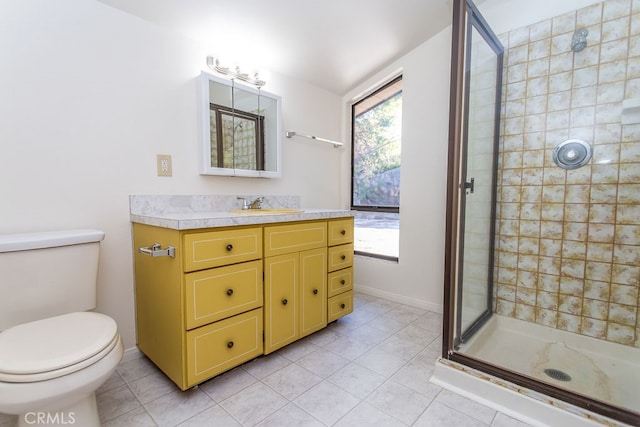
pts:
pixel 506 15
pixel 417 278
pixel 89 95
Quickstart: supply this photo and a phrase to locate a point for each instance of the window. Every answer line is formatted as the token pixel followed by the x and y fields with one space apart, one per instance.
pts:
pixel 237 138
pixel 375 170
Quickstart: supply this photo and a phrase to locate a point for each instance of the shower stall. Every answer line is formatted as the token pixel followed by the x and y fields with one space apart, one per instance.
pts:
pixel 543 226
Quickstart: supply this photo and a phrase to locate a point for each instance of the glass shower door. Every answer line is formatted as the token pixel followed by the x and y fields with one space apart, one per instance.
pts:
pixel 483 80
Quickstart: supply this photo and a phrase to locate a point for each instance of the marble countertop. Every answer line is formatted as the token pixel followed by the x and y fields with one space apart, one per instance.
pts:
pixel 210 211
pixel 212 219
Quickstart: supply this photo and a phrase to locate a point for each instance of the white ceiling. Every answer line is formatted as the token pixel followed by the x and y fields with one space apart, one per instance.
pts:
pixel 333 44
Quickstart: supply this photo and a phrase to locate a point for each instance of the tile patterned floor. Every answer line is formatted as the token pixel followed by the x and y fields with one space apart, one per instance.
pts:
pixel 369 368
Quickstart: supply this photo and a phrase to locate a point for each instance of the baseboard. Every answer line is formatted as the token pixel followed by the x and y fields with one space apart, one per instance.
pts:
pixel 413 302
pixel 130 354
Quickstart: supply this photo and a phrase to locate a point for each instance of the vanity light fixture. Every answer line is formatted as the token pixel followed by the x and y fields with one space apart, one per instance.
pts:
pixel 235 73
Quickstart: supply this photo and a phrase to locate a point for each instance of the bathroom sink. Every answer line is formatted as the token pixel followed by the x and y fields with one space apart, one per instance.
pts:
pixel 266 211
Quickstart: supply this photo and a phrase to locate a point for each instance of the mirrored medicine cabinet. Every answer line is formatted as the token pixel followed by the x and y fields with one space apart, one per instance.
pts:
pixel 241 129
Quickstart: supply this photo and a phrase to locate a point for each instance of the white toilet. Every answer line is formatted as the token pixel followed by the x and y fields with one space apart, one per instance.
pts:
pixel 53 353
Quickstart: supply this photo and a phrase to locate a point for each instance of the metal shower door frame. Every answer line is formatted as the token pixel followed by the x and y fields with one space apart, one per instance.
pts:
pixel 476 22
pixel 449 352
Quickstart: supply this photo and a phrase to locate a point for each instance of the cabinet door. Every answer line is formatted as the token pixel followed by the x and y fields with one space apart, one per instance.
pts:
pixel 313 291
pixel 281 301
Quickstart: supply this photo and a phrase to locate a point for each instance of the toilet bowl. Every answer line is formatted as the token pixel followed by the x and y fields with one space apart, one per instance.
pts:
pixel 54 351
pixel 50 368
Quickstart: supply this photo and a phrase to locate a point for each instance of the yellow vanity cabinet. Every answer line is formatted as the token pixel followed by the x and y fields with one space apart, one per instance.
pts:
pixel 340 268
pixel 226 295
pixel 295 284
pixel 199 313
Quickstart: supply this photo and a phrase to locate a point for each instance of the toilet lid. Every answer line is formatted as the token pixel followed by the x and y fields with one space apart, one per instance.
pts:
pixel 54 343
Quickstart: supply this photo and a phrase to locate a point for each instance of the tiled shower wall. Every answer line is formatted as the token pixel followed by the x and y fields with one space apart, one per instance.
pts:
pixel 568 244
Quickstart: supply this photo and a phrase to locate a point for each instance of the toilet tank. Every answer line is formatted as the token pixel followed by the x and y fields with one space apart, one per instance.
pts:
pixel 47 274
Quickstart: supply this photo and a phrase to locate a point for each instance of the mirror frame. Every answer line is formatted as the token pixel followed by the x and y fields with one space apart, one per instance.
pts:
pixel 205 138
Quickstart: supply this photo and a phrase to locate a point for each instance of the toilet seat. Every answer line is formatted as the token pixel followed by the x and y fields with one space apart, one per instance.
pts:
pixel 50 348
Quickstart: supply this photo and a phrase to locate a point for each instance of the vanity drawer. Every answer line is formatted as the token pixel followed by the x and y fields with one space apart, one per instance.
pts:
pixel 340 281
pixel 218 293
pixel 216 248
pixel 284 239
pixel 220 346
pixel 339 306
pixel 340 257
pixel 340 232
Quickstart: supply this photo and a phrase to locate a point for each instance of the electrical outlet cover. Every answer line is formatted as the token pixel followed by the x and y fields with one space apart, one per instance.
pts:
pixel 164 165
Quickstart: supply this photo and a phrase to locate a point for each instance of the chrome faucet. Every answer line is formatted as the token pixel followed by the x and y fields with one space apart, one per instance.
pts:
pixel 256 204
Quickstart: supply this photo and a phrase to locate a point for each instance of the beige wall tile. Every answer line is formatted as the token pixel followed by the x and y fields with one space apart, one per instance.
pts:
pixel 569 240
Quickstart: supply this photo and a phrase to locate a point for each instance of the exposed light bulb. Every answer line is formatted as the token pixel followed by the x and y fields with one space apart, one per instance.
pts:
pixel 235 72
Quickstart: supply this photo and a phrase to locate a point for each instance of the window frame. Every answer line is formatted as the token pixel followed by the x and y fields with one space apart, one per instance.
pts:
pixel 389 209
pixel 361 208
pixel 221 110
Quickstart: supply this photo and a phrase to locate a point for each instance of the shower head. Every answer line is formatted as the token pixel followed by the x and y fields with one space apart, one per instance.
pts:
pixel 572 154
pixel 579 40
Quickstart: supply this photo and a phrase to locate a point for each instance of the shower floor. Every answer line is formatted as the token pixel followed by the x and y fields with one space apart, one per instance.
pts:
pixel 599 369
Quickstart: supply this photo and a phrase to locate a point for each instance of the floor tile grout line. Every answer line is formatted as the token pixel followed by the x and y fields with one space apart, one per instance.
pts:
pixel 141 405
pixel 348 333
pixel 207 409
pixel 347 330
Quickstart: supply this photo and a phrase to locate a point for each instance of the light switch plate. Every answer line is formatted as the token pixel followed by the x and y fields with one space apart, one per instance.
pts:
pixel 164 165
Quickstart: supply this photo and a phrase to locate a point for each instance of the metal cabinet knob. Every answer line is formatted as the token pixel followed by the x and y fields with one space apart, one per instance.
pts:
pixel 315 292
pixel 284 301
pixel 229 291
pixel 230 344
pixel 229 247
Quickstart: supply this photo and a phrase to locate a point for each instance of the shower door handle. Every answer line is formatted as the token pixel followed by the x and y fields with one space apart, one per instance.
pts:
pixel 469 186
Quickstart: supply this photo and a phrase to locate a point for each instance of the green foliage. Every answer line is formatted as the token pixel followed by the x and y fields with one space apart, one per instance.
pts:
pixel 377 133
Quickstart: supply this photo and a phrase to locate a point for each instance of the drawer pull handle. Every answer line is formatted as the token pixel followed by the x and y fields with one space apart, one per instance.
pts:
pixel 230 344
pixel 315 292
pixel 342 282
pixel 343 257
pixel 343 232
pixel 229 247
pixel 284 301
pixel 229 292
pixel 154 250
pixel 342 306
